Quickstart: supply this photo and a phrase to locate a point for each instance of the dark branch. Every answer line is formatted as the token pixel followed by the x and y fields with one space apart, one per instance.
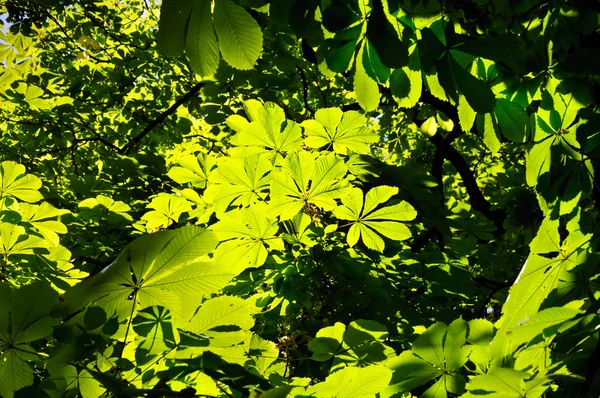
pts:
pixel 161 118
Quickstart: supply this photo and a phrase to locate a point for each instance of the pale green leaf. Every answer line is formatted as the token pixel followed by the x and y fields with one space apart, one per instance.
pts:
pixel 14 182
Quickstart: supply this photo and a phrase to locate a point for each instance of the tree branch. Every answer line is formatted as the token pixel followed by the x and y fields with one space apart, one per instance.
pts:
pixel 161 118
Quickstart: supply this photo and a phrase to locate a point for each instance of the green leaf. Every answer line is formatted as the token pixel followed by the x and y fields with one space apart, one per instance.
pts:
pixel 174 16
pixel 539 276
pixel 239 182
pixel 221 311
pixel 304 179
pixel 547 239
pixel 248 237
pixel 368 223
pixel 366 89
pixel 375 69
pixel 498 383
pixel 353 382
pixel 479 96
pixel 406 83
pixel 512 119
pixel 384 32
pixel 240 37
pixel 201 42
pixel 539 323
pixel 14 182
pixel 346 131
pixel 24 317
pixel 163 269
pixel 42 218
pixel 487 127
pixel 103 207
pixel 14 240
pixel 193 170
pixel 410 372
pixel 166 210
pixel 341 49
pixel 466 114
pixel 267 132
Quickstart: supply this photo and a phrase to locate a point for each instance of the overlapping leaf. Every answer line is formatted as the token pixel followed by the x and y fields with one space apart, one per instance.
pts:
pixel 439 351
pixel 193 170
pixel 246 237
pixel 305 179
pixel 358 345
pixel 266 131
pixel 344 131
pixel 239 182
pixel 24 317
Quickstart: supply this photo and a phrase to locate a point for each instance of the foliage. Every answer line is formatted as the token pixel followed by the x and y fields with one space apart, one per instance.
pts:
pixel 278 198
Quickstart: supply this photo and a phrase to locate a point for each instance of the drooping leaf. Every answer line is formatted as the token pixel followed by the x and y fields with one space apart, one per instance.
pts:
pixel 201 41
pixel 366 89
pixel 240 37
pixel 512 120
pixel 174 15
pixel 406 83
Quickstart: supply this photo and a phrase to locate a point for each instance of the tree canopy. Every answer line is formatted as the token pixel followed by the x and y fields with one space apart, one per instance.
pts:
pixel 299 198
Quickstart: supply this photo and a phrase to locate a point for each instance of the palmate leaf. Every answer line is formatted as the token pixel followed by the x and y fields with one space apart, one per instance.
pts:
pixel 345 131
pixel 14 182
pixel 406 83
pixel 540 323
pixel 24 317
pixel 166 210
pixel 540 274
pixel 306 179
pixel 193 170
pixel 219 312
pixel 161 269
pixel 14 240
pixel 155 331
pixel 506 383
pixel 266 131
pixel 103 207
pixel 239 182
pixel 246 238
pixel 368 223
pixel 358 345
pixel 43 219
pixel 439 351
